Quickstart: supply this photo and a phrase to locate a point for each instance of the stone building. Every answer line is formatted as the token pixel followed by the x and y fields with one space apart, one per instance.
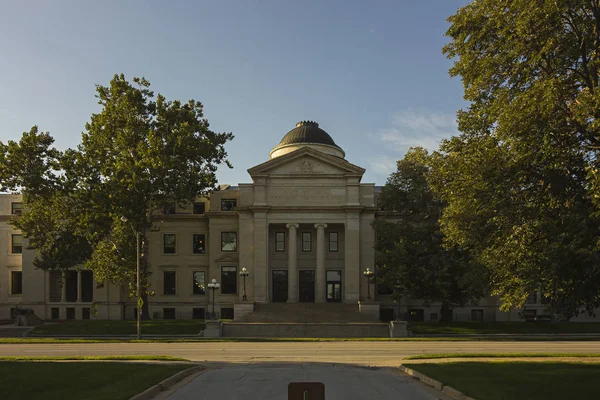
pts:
pixel 302 230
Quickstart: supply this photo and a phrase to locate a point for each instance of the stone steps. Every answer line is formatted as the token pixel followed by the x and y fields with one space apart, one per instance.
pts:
pixel 306 313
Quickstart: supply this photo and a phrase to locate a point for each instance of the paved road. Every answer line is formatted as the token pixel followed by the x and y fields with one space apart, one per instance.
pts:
pixel 270 381
pixel 357 353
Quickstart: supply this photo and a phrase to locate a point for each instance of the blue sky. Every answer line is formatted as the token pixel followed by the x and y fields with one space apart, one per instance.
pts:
pixel 370 72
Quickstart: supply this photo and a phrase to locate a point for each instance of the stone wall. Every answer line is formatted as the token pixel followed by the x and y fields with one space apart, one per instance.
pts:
pixel 330 330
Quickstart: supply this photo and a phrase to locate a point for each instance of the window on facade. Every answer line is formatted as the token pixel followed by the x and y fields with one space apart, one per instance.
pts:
pixel 228 280
pixel 198 313
pixel 333 241
pixel 71 283
pixel 532 298
pixel 280 241
pixel 306 241
pixel 87 286
pixel 169 243
pixel 55 286
pixel 16 282
pixel 169 208
pixel 70 313
pixel 227 313
pixel 199 207
pixel 228 241
pixel 433 316
pixel 85 313
pixel 199 287
pixel 16 208
pixel 228 204
pixel 169 282
pixel 168 313
pixel 16 244
pixel 54 313
pixel 199 243
pixel 476 315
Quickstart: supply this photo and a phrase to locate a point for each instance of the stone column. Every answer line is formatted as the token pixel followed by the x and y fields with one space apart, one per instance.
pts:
pixel 79 288
pixel 292 263
pixel 320 273
pixel 352 259
pixel 63 295
pixel 261 268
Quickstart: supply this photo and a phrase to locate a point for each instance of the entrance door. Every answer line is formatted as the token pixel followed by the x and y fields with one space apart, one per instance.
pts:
pixel 334 286
pixel 280 285
pixel 306 286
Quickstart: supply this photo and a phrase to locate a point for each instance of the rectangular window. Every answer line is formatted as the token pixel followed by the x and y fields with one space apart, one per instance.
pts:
pixel 228 204
pixel 85 313
pixel 54 313
pixel 280 241
pixel 198 313
pixel 333 241
pixel 169 243
pixel 17 244
pixel 169 208
pixel 228 280
pixel 306 241
pixel 433 316
pixel 168 313
pixel 199 243
pixel 199 207
pixel 71 283
pixel 227 313
pixel 55 286
pixel 228 241
pixel 16 208
pixel 16 282
pixel 70 313
pixel 476 315
pixel 87 286
pixel 199 287
pixel 169 282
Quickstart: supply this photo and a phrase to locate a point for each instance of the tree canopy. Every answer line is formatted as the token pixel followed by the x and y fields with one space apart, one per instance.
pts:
pixel 139 152
pixel 411 256
pixel 520 181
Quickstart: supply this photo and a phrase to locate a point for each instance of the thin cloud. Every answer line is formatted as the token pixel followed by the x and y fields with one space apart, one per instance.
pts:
pixel 383 165
pixel 425 129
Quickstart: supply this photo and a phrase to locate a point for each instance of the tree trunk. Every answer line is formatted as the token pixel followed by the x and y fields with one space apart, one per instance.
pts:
pixel 445 312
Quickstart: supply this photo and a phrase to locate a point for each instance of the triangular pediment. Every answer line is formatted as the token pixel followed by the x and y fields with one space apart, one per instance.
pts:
pixel 227 258
pixel 307 162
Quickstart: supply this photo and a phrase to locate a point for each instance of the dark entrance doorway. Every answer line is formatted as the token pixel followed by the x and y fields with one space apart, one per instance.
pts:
pixel 306 286
pixel 334 286
pixel 280 285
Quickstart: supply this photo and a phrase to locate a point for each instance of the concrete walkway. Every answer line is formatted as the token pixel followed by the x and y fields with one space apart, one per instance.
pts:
pixel 270 381
pixel 357 353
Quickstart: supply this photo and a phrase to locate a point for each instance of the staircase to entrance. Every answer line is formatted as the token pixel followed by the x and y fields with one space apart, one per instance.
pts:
pixel 306 320
pixel 307 313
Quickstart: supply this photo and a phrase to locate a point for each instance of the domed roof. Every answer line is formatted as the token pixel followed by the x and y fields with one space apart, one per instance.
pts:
pixel 307 132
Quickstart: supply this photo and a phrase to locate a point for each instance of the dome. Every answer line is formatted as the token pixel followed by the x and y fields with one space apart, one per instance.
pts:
pixel 307 133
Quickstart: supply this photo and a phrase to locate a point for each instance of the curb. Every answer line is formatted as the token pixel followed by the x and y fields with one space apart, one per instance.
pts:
pixel 166 383
pixel 448 390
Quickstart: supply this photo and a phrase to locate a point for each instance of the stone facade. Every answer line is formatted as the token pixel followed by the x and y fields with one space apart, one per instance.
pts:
pixel 302 229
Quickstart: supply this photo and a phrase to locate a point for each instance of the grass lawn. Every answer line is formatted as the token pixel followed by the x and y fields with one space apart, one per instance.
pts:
pixel 500 355
pixel 78 380
pixel 125 327
pixel 517 380
pixel 468 328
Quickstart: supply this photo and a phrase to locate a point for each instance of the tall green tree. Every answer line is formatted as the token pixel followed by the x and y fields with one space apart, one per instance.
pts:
pixel 519 180
pixel 410 252
pixel 138 153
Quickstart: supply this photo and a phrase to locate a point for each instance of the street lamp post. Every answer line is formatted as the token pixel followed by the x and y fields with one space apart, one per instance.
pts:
pixel 368 274
pixel 214 285
pixel 137 274
pixel 244 273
